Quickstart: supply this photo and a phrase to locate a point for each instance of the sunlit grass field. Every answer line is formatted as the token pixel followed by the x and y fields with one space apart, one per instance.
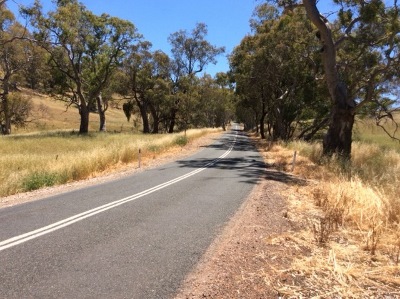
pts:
pixel 366 130
pixel 50 114
pixel 49 151
pixel 32 161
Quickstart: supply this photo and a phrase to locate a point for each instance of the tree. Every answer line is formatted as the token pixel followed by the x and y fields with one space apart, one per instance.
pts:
pixel 35 72
pixel 20 110
pixel 84 49
pixel 273 71
pixel 217 97
pixel 191 53
pixel 11 62
pixel 360 55
pixel 145 76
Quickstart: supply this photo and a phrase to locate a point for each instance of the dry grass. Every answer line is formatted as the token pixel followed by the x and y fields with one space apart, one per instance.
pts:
pixel 366 130
pixel 48 152
pixel 350 222
pixel 53 115
pixel 33 161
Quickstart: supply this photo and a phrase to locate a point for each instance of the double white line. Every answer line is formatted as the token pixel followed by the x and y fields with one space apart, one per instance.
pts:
pixel 79 217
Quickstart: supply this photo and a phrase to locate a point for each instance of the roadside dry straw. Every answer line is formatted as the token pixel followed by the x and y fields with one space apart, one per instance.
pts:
pixel 34 161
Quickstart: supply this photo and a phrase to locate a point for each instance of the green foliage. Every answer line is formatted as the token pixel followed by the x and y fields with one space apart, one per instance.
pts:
pixel 273 70
pixel 20 108
pixel 39 180
pixel 90 48
pixel 181 140
pixel 128 109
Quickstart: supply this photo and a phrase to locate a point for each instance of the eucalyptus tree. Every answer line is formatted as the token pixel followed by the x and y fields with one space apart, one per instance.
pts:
pixel 191 53
pixel 35 73
pixel 360 57
pixel 11 62
pixel 225 98
pixel 271 70
pixel 145 82
pixel 85 50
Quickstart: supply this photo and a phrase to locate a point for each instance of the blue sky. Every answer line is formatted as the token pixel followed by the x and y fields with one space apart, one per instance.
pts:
pixel 227 20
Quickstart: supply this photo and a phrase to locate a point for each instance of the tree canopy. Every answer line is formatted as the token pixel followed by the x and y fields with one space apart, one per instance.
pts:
pixel 298 74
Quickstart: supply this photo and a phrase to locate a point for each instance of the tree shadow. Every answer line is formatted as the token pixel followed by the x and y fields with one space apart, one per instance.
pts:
pixel 251 167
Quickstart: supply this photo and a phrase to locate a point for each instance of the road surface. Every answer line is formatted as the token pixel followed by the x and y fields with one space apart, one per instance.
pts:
pixel 136 237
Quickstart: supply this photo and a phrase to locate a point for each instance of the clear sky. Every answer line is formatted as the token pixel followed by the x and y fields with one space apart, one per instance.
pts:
pixel 227 20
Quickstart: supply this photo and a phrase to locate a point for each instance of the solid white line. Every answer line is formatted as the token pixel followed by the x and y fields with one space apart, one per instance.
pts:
pixel 79 217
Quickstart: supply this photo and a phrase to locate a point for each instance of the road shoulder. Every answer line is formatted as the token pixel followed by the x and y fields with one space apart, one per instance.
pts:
pixel 238 263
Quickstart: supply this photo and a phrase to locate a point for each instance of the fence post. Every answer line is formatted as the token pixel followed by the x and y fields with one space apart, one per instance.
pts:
pixel 294 160
pixel 140 158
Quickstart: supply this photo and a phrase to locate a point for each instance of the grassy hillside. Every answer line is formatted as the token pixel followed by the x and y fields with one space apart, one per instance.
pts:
pixel 50 114
pixel 49 151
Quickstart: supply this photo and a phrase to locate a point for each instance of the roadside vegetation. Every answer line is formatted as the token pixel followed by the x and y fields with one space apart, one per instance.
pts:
pixel 313 82
pixel 348 219
pixel 37 160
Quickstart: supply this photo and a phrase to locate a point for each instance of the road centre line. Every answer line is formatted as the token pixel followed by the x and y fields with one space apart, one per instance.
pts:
pixel 79 217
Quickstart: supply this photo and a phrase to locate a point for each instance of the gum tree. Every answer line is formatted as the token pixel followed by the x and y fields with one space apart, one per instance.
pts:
pixel 144 82
pixel 360 57
pixel 84 49
pixel 273 71
pixel 191 53
pixel 12 61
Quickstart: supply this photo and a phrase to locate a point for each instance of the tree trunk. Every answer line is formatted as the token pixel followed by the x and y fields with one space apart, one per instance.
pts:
pixel 262 129
pixel 338 139
pixel 102 108
pixel 172 121
pixel 156 119
pixel 144 115
pixel 339 136
pixel 6 125
pixel 84 112
pixel 84 126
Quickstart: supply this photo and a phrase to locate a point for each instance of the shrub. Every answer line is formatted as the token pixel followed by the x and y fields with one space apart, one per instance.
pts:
pixel 181 140
pixel 38 180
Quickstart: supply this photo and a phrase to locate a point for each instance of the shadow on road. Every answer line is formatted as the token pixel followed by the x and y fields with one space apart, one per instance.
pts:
pixel 250 166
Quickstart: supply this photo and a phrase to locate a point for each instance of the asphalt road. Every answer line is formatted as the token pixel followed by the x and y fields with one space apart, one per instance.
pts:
pixel 137 237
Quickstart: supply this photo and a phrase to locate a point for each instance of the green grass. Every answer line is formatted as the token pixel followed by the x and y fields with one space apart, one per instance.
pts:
pixel 365 130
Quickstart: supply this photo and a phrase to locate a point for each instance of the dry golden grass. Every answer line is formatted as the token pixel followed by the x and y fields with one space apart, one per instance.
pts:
pixel 50 114
pixel 350 222
pixel 48 151
pixel 33 161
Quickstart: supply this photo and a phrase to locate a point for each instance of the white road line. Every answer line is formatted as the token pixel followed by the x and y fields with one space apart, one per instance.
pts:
pixel 79 217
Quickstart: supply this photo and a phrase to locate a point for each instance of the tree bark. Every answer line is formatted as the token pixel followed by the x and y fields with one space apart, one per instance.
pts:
pixel 102 108
pixel 143 113
pixel 84 112
pixel 84 125
pixel 172 120
pixel 156 119
pixel 6 125
pixel 338 139
pixel 339 136
pixel 262 129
